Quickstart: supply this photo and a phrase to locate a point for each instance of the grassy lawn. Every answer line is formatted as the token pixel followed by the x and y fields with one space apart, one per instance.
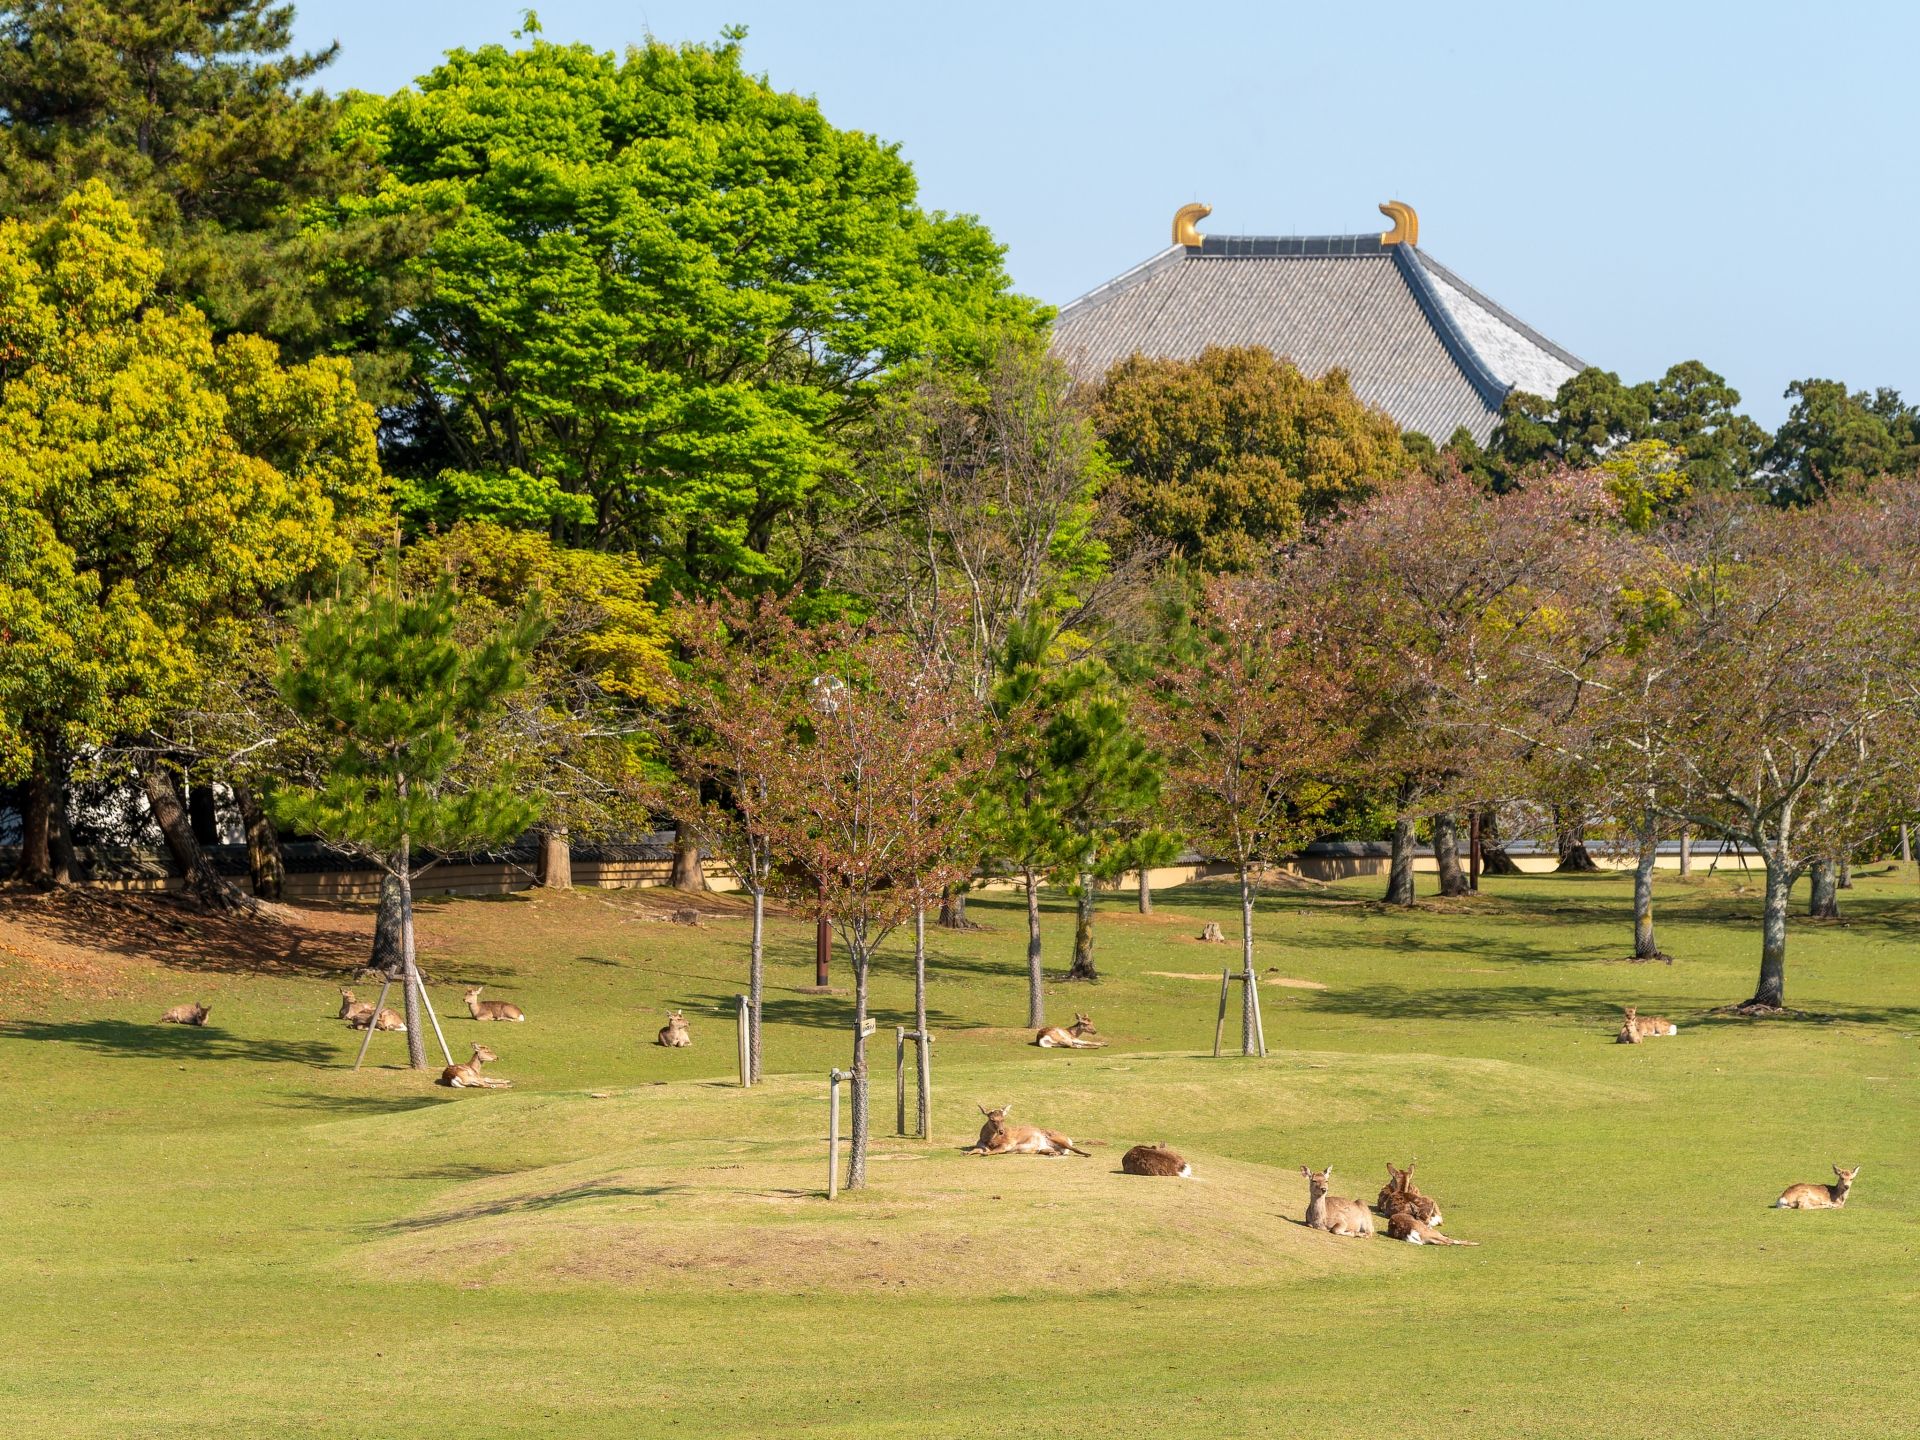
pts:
pixel 227 1232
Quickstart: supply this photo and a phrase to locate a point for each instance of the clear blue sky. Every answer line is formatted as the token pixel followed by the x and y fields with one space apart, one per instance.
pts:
pixel 1644 183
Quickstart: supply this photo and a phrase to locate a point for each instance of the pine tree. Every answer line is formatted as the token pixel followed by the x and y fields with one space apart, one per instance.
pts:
pixel 396 705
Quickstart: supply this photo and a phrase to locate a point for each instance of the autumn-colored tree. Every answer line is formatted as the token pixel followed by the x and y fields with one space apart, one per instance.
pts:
pixel 1229 454
pixel 156 489
pixel 1255 735
pixel 869 800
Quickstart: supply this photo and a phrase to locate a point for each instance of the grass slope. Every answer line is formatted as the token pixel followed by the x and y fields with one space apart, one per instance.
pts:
pixel 226 1232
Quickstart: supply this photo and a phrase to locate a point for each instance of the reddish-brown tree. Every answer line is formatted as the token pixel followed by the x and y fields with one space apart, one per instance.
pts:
pixel 1253 729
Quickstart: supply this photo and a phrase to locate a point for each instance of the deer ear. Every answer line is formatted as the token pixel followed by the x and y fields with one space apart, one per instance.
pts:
pixel 1306 1172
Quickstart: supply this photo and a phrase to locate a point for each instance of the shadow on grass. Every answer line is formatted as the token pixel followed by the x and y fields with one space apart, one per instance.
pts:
pixel 170 1042
pixel 361 1105
pixel 169 930
pixel 530 1204
pixel 826 1012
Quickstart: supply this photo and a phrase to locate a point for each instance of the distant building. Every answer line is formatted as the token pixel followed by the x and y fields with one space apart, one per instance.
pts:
pixel 1414 338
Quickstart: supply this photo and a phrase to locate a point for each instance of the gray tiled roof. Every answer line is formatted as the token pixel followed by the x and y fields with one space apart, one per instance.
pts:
pixel 1416 340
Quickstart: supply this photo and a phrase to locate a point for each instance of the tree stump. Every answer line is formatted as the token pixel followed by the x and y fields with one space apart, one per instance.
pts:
pixel 1213 933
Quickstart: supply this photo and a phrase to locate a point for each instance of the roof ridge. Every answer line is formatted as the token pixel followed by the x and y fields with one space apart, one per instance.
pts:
pixel 1487 385
pixel 1124 280
pixel 1559 352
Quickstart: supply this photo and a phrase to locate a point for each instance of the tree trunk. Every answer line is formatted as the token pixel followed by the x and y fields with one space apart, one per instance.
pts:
pixel 1644 947
pixel 1494 859
pixel 1824 903
pixel 920 1016
pixel 202 814
pixel 1772 989
pixel 60 834
pixel 266 862
pixel 953 910
pixel 1686 852
pixel 1446 853
pixel 1906 845
pixel 556 859
pixel 1248 1043
pixel 1575 860
pixel 35 865
pixel 1083 968
pixel 416 1020
pixel 204 883
pixel 389 943
pixel 1036 982
pixel 1146 893
pixel 688 873
pixel 756 979
pixel 857 1145
pixel 1400 867
pixel 1846 872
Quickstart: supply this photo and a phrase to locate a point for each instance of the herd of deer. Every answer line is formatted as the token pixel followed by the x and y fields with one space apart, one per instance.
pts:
pixel 1410 1215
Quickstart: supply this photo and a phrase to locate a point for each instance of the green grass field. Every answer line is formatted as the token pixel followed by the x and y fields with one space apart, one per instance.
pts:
pixel 227 1232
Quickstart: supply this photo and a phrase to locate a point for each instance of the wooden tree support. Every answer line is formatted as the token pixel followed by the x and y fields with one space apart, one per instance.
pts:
pixel 834 1077
pixel 426 1008
pixel 1252 982
pixel 745 1029
pixel 922 1079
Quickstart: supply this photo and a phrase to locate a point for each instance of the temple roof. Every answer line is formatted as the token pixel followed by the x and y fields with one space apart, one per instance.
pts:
pixel 1415 339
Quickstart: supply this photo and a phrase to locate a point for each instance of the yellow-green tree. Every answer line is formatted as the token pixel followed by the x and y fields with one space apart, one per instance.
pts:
pixel 156 490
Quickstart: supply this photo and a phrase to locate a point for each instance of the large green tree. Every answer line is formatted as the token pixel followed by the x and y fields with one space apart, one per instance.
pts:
pixel 202 115
pixel 1833 437
pixel 1226 455
pixel 662 293
pixel 156 488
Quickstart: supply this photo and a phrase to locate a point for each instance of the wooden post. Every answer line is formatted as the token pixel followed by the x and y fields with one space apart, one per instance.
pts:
pixel 1220 1025
pixel 1473 851
pixel 385 985
pixel 426 1006
pixel 745 1041
pixel 834 1077
pixel 900 1079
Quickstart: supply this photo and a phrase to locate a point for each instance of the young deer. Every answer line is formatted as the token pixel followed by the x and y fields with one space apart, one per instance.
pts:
pixel 1400 1193
pixel 1331 1213
pixel 1155 1159
pixel 674 1034
pixel 1815 1196
pixel 194 1014
pixel 1074 1037
pixel 1629 1031
pixel 1405 1225
pixel 363 1016
pixel 997 1137
pixel 1650 1025
pixel 491 1009
pixel 467 1076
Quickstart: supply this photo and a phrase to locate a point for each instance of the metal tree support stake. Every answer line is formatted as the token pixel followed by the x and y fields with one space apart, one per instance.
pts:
pixel 923 1079
pixel 1252 983
pixel 746 1043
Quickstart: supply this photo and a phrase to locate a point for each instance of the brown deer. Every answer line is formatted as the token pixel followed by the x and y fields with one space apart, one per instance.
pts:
pixel 1815 1196
pixel 1074 1037
pixel 674 1034
pixel 1405 1225
pixel 467 1076
pixel 1400 1193
pixel 1330 1212
pixel 194 1014
pixel 997 1137
pixel 1629 1031
pixel 1650 1025
pixel 491 1009
pixel 1155 1159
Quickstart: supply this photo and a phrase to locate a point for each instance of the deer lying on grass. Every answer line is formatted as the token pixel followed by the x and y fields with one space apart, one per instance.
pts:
pixel 1074 1037
pixel 194 1014
pixel 491 1009
pixel 1651 1025
pixel 359 1013
pixel 1815 1196
pixel 1331 1213
pixel 1155 1159
pixel 1400 1193
pixel 1405 1225
pixel 997 1137
pixel 467 1076
pixel 674 1034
